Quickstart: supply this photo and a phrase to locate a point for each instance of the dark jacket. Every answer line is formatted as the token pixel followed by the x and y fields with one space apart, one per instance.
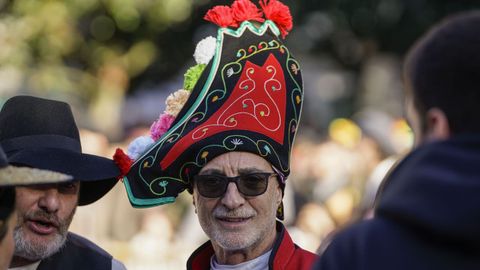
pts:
pixel 78 253
pixel 428 216
pixel 285 254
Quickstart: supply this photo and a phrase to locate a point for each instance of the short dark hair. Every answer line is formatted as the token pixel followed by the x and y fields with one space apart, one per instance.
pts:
pixel 443 71
pixel 7 205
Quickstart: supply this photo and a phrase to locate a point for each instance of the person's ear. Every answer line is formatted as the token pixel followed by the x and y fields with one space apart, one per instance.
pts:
pixel 437 125
pixel 194 204
pixel 279 195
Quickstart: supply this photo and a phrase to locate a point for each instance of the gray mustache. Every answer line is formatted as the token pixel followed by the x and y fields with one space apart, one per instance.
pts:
pixel 222 212
pixel 41 215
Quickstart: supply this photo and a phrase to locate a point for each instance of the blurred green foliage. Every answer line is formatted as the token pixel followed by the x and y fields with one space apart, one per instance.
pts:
pixel 353 30
pixel 83 46
pixel 92 53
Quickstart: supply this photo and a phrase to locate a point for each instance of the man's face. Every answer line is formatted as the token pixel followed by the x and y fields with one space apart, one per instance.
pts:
pixel 234 221
pixel 44 215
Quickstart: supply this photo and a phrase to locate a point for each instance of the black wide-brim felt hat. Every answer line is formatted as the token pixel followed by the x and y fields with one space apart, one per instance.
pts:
pixel 42 133
pixel 13 176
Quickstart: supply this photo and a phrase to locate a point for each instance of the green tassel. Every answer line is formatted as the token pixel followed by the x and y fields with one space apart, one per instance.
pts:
pixel 192 75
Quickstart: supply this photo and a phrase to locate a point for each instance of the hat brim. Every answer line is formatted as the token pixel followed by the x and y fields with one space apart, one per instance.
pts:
pixel 14 176
pixel 97 174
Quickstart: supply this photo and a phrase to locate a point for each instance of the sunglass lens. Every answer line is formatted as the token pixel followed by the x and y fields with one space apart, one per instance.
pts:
pixel 211 186
pixel 253 184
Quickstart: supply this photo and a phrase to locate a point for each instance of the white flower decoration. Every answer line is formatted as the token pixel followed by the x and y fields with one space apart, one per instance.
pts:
pixel 230 72
pixel 138 146
pixel 205 50
pixel 236 141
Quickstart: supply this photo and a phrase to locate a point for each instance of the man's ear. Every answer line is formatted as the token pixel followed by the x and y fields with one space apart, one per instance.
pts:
pixel 280 193
pixel 194 204
pixel 437 125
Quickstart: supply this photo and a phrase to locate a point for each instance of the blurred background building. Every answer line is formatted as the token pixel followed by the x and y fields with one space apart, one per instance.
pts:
pixel 115 61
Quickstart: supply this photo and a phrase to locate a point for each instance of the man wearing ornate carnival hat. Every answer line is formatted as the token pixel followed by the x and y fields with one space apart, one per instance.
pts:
pixel 227 138
pixel 41 133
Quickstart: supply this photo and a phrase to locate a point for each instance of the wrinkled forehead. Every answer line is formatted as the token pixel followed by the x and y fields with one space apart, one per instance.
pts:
pixel 237 162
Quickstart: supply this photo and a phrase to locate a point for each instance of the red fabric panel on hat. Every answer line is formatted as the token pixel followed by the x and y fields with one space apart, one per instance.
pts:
pixel 257 103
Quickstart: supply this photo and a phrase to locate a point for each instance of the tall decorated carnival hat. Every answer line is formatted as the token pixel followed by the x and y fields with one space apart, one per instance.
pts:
pixel 244 94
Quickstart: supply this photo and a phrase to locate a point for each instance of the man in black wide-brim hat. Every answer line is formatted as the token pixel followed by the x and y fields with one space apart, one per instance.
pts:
pixel 42 133
pixel 11 176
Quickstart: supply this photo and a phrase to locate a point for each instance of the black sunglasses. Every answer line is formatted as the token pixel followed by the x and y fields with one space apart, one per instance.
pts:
pixel 214 185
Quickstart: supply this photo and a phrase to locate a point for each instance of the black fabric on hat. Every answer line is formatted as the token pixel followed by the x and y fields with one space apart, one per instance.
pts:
pixel 42 133
pixel 251 67
pixel 3 159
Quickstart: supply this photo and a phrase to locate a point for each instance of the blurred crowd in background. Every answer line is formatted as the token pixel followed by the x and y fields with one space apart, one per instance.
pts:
pixel 116 61
pixel 333 182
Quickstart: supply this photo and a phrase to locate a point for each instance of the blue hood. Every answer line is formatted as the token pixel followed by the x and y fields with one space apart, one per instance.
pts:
pixel 436 189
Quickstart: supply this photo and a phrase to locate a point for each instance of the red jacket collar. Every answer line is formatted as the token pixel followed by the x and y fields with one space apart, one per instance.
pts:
pixel 200 258
pixel 282 252
pixel 283 248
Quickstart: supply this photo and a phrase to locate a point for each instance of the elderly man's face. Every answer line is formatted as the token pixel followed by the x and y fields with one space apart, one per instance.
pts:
pixel 234 221
pixel 44 215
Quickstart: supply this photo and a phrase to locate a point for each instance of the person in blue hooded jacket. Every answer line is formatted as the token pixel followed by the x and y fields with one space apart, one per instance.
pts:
pixel 427 213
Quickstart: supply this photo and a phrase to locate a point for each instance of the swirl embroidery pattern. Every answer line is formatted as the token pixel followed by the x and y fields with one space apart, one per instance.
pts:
pixel 249 107
pixel 265 113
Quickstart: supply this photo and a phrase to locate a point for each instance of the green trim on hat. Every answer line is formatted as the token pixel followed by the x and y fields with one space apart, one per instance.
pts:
pixel 145 202
pixel 260 31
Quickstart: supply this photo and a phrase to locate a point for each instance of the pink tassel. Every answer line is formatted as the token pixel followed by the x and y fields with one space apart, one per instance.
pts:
pixel 161 126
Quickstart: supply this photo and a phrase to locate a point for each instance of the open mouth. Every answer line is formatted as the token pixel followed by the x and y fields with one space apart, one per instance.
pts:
pixel 233 223
pixel 229 219
pixel 42 226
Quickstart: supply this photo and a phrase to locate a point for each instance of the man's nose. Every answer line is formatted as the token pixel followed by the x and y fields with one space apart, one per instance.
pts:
pixel 232 198
pixel 50 200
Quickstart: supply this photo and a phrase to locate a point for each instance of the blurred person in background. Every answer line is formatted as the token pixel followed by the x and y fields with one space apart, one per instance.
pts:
pixel 401 142
pixel 312 226
pixel 42 133
pixel 427 213
pixel 11 176
pixel 153 246
pixel 229 141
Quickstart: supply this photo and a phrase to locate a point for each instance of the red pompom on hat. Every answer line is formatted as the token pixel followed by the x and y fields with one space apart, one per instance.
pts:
pixel 221 16
pixel 123 162
pixel 279 13
pixel 244 10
